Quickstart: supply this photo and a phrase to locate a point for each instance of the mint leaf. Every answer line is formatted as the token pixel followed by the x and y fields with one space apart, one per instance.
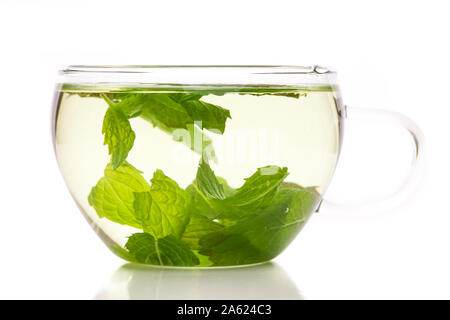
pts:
pixel 229 191
pixel 198 227
pixel 200 203
pixel 169 116
pixel 168 207
pixel 264 181
pixel 160 108
pixel 207 182
pixel 258 191
pixel 182 97
pixel 207 115
pixel 113 196
pixel 123 196
pixel 205 206
pixel 121 253
pixel 209 222
pixel 227 250
pixel 283 219
pixel 118 135
pixel 262 236
pixel 142 205
pixel 283 94
pixel 167 251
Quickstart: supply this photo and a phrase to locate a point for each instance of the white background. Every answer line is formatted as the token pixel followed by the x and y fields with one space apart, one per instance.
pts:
pixel 389 54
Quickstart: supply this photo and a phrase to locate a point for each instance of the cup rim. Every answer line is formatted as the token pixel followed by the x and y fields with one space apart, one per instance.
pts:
pixel 197 75
pixel 276 69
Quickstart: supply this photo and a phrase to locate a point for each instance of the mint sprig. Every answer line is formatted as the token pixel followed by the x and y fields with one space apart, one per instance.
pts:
pixel 118 135
pixel 167 251
pixel 208 223
pixel 167 211
pixel 207 182
pixel 113 195
pixel 182 116
pixel 263 235
pixel 256 193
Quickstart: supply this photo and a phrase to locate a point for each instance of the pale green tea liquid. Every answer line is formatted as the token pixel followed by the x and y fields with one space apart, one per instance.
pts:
pixel 294 128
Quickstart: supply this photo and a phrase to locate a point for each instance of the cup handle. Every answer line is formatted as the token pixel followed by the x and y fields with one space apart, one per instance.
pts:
pixel 402 192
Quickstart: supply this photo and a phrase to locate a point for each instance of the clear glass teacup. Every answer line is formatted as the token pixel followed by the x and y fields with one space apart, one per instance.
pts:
pixel 198 166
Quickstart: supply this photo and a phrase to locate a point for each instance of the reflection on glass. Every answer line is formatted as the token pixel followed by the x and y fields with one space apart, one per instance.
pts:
pixel 265 281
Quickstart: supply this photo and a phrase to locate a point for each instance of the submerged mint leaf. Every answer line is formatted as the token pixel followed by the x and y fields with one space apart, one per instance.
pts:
pixel 123 196
pixel 284 219
pixel 207 115
pixel 168 208
pixel 262 236
pixel 121 253
pixel 209 220
pixel 142 205
pixel 167 251
pixel 264 181
pixel 157 107
pixel 207 182
pixel 216 199
pixel 198 227
pixel 227 250
pixel 182 97
pixel 201 204
pixel 113 196
pixel 229 191
pixel 166 112
pixel 118 135
pixel 295 95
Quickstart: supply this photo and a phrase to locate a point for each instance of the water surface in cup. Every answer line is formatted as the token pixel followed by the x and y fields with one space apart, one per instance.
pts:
pixel 197 177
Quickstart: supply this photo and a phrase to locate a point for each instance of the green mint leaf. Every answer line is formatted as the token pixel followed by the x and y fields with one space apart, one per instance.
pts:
pixel 262 236
pixel 207 182
pixel 175 121
pixel 168 207
pixel 213 197
pixel 182 97
pixel 167 251
pixel 291 95
pixel 142 205
pixel 257 193
pixel 205 206
pixel 207 115
pixel 264 181
pixel 117 97
pixel 160 108
pixel 121 253
pixel 118 135
pixel 201 204
pixel 283 220
pixel 227 250
pixel 198 227
pixel 229 191
pixel 113 196
pixel 283 94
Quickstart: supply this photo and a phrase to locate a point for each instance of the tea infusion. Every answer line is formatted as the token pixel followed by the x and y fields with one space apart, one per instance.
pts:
pixel 207 177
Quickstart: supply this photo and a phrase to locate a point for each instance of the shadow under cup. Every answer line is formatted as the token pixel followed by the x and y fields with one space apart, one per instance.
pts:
pixel 197 166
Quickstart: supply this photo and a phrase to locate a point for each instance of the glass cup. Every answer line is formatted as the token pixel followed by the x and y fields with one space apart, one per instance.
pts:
pixel 200 166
